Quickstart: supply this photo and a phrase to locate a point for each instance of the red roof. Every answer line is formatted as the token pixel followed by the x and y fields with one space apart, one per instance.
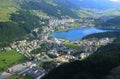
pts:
pixel 20 78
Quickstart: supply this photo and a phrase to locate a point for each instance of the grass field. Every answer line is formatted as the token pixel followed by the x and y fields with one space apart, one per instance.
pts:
pixel 73 46
pixel 9 58
pixel 7 7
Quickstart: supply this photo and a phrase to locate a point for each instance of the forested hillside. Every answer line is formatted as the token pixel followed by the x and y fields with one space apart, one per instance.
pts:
pixel 18 18
pixel 114 22
pixel 20 25
pixel 54 8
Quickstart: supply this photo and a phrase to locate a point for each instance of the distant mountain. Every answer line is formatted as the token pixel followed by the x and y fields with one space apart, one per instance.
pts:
pixel 56 8
pixel 96 4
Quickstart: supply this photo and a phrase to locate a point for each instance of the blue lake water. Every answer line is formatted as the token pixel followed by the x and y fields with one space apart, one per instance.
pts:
pixel 76 34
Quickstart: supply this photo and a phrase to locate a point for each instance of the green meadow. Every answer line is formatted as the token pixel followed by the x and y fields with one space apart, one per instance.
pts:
pixel 7 7
pixel 9 58
pixel 73 46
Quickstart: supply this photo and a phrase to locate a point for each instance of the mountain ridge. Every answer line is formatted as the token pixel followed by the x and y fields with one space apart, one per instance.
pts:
pixel 97 4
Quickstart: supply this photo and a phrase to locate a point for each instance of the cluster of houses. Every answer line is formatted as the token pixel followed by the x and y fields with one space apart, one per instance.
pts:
pixel 56 47
pixel 60 22
pixel 68 23
pixel 91 45
pixel 35 72
pixel 25 47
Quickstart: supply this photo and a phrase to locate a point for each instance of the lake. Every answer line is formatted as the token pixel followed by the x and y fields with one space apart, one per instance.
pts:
pixel 76 34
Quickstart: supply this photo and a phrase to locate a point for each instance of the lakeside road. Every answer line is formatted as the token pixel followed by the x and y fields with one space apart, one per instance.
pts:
pixel 16 69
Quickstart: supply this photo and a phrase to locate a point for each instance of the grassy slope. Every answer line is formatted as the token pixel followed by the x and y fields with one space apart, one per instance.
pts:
pixel 7 7
pixel 11 18
pixel 9 58
pixel 73 46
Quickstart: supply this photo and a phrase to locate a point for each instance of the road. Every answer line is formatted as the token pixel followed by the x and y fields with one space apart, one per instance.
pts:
pixel 16 69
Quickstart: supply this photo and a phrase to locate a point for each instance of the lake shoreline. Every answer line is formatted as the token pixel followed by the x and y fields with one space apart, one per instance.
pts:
pixel 77 33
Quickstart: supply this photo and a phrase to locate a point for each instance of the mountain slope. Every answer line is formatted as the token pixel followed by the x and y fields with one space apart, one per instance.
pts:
pixel 19 17
pixel 96 4
pixel 22 14
pixel 20 25
pixel 114 22
pixel 54 8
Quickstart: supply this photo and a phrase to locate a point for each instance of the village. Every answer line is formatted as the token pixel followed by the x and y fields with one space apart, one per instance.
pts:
pixel 55 48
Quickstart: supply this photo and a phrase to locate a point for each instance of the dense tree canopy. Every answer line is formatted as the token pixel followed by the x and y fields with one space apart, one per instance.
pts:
pixel 22 24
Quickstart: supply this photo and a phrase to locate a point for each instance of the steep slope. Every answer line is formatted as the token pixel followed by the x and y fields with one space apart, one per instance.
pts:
pixel 20 25
pixel 114 22
pixel 115 73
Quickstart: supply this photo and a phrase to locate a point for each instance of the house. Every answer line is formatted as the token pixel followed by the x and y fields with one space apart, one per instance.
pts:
pixel 35 72
pixel 20 78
